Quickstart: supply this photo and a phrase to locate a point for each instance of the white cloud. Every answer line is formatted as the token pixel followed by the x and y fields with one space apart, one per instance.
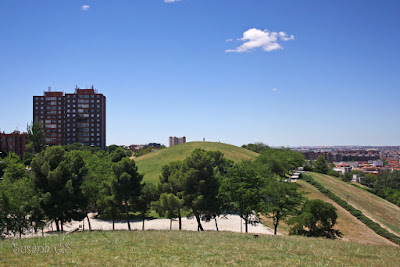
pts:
pixel 229 40
pixel 171 1
pixel 255 38
pixel 85 7
pixel 274 89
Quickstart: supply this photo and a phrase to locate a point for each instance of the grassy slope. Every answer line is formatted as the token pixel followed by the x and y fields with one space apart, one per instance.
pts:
pixel 154 248
pixel 374 207
pixel 150 164
pixel 350 226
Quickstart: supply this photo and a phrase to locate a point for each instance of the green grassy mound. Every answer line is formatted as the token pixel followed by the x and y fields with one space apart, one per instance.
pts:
pixel 174 248
pixel 150 164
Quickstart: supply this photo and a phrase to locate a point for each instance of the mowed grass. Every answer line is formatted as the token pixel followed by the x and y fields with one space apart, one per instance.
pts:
pixel 374 207
pixel 150 164
pixel 351 228
pixel 174 248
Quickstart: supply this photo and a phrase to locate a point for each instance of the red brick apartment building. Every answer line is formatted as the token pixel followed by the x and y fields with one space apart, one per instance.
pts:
pixel 72 118
pixel 13 142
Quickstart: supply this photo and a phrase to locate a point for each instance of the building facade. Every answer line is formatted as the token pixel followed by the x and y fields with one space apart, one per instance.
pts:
pixel 173 140
pixel 13 142
pixel 72 118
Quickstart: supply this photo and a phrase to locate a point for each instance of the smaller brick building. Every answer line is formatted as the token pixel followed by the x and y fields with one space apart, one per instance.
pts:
pixel 13 142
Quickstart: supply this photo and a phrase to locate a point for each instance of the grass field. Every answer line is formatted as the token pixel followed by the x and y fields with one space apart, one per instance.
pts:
pixel 150 164
pixel 374 207
pixel 350 226
pixel 174 248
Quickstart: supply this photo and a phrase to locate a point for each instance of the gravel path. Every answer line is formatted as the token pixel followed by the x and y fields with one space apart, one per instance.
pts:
pixel 230 223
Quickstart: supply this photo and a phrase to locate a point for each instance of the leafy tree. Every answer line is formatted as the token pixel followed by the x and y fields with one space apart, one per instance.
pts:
pixel 281 161
pixel 17 203
pixel 14 168
pixel 118 154
pixel 369 180
pixel 107 201
pixel 201 183
pixel 58 177
pixel 172 182
pixel 281 200
pixel 127 184
pixel 168 205
pixel 36 136
pixel 243 189
pixel 148 195
pixel 257 147
pixel 320 165
pixel 317 219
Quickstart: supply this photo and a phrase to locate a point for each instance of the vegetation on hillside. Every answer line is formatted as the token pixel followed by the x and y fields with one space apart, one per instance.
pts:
pixel 355 212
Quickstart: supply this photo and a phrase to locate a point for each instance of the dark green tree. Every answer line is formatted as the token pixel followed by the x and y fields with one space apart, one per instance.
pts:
pixel 127 184
pixel 172 182
pixel 148 195
pixel 201 183
pixel 58 177
pixel 36 136
pixel 320 165
pixel 242 188
pixel 281 200
pixel 168 205
pixel 317 219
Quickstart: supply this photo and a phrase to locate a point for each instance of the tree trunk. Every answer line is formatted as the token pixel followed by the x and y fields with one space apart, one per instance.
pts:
pixel 246 225
pixel 62 226
pixel 83 225
pixel 113 222
pixel 276 222
pixel 57 226
pixel 143 218
pixel 90 226
pixel 170 224
pixel 180 220
pixel 216 224
pixel 199 226
pixel 127 215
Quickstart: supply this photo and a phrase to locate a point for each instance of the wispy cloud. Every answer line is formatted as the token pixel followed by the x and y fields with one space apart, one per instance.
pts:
pixel 85 7
pixel 171 1
pixel 255 38
pixel 274 89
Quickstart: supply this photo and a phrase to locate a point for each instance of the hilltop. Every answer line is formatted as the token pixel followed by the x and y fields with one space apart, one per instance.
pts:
pixel 150 164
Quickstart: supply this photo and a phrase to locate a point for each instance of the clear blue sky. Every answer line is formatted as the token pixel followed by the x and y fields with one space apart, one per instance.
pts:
pixel 237 71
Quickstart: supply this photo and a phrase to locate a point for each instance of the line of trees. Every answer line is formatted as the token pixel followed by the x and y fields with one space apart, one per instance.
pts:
pixel 66 183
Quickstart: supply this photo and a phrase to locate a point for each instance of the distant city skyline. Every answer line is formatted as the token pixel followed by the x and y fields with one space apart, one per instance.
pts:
pixel 286 73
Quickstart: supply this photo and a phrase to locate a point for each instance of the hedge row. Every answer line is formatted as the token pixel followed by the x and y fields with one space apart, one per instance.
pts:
pixel 355 212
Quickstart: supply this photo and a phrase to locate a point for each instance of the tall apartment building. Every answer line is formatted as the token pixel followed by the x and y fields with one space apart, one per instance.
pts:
pixel 176 140
pixel 72 118
pixel 13 142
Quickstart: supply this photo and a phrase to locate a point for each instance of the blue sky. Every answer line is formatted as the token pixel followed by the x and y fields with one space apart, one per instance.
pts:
pixel 280 72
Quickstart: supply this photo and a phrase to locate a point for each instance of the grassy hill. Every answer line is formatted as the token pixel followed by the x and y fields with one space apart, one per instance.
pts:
pixel 150 164
pixel 180 248
pixel 350 226
pixel 374 207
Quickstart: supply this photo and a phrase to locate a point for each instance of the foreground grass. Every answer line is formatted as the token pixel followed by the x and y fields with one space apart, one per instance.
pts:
pixel 379 210
pixel 192 248
pixel 150 164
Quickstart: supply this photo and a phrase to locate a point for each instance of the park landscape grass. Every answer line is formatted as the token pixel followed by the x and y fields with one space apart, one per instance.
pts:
pixel 150 164
pixel 180 248
pixel 374 207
